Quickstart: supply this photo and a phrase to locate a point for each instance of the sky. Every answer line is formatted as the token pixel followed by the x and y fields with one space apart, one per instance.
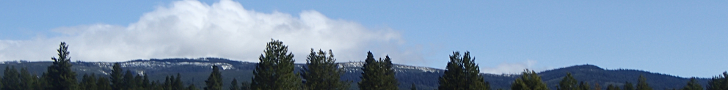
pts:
pixel 682 38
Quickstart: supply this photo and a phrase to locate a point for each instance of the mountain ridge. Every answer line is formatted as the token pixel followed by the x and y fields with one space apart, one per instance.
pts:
pixel 195 70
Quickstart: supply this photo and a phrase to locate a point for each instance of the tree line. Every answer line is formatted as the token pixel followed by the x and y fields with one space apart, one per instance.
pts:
pixel 275 71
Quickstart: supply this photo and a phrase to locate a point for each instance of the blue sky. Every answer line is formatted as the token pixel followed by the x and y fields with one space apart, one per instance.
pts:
pixel 684 38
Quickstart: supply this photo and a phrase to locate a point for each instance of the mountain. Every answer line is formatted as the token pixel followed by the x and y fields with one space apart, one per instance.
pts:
pixel 196 71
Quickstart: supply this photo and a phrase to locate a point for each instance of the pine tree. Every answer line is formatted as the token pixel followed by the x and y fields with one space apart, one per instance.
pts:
pixel 192 87
pixel 214 81
pixel 462 74
pixel 128 82
pixel 116 77
pixel 59 74
pixel 372 74
pixel 275 69
pixel 234 85
pixel 612 87
pixel 390 81
pixel 693 85
pixel 628 86
pixel 245 86
pixel 567 83
pixel 413 87
pixel 322 73
pixel 529 81
pixel 10 79
pixel 584 86
pixel 177 83
pixel 28 81
pixel 642 84
pixel 718 82
pixel 145 82
pixel 88 82
pixel 103 84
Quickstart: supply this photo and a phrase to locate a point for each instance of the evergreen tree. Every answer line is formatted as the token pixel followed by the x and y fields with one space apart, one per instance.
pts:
pixel 103 84
pixel 390 81
pixel 322 73
pixel 245 86
pixel 28 81
pixel 116 77
pixel 214 81
pixel 597 87
pixel 628 86
pixel 413 87
pixel 59 74
pixel 234 85
pixel 10 79
pixel 128 82
pixel 88 82
pixel 584 86
pixel 612 87
pixel 372 74
pixel 462 74
pixel 145 82
pixel 177 83
pixel 275 69
pixel 529 81
pixel 567 83
pixel 693 85
pixel 192 87
pixel 718 82
pixel 642 84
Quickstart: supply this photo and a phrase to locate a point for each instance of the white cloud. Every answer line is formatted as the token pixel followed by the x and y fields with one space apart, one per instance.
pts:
pixel 191 29
pixel 512 68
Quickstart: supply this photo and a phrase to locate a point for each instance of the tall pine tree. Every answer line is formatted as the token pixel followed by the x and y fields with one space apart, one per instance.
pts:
pixel 529 81
pixel 214 81
pixel 462 74
pixel 642 84
pixel 322 73
pixel 374 75
pixel 718 82
pixel 59 75
pixel 10 79
pixel 275 69
pixel 116 77
pixel 390 81
pixel 234 85
pixel 628 86
pixel 567 83
pixel 693 85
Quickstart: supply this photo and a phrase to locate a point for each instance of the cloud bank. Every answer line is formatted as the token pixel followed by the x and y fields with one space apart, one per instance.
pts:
pixel 191 29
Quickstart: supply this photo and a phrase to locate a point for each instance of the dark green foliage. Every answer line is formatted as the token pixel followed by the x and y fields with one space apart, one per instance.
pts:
pixel 568 83
pixel 103 84
pixel 177 83
pixel 116 77
pixel 275 69
pixel 128 81
pixel 28 81
pixel 59 75
pixel 718 82
pixel 10 80
pixel 612 87
pixel 192 87
pixel 642 84
pixel 462 73
pixel 529 81
pixel 88 82
pixel 322 73
pixel 234 85
pixel 413 87
pixel 693 85
pixel 245 86
pixel 214 81
pixel 628 86
pixel 584 86
pixel 377 74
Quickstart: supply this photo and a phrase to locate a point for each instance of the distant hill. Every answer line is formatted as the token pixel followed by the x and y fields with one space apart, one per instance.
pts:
pixel 196 71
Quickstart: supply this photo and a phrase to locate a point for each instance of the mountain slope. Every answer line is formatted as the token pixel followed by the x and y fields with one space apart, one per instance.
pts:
pixel 195 71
